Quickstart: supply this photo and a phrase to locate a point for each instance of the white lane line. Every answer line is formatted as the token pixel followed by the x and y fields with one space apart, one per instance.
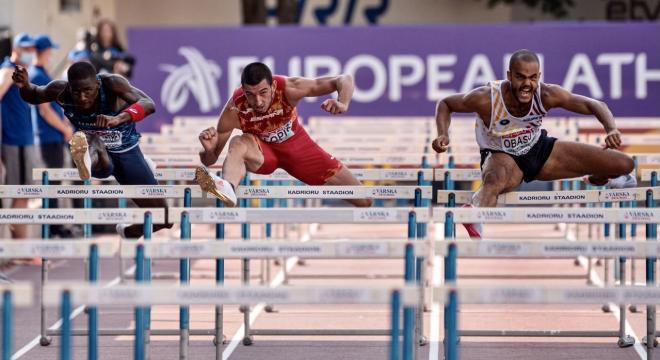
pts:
pixel 596 280
pixel 77 311
pixel 277 281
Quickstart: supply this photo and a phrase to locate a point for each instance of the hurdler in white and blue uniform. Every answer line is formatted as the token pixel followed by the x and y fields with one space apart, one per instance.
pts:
pixel 104 110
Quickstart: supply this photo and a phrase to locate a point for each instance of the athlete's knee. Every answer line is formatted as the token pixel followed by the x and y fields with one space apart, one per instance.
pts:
pixel 625 165
pixel 239 144
pixel 495 179
pixel 95 141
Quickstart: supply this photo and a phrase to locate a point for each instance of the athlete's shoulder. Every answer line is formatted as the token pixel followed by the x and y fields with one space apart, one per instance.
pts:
pixel 548 89
pixel 113 79
pixel 479 95
pixel 238 97
pixel 281 80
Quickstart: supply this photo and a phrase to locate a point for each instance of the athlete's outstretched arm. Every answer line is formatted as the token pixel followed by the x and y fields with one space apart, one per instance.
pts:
pixel 34 94
pixel 214 140
pixel 140 104
pixel 132 95
pixel 298 88
pixel 477 100
pixel 554 96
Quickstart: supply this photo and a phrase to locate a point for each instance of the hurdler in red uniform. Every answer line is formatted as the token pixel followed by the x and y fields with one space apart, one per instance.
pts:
pixel 264 108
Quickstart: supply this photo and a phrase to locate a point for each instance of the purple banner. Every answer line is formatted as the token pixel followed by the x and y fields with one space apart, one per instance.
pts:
pixel 398 70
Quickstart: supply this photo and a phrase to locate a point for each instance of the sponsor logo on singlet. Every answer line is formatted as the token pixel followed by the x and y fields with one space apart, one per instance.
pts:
pixel 279 135
pixel 518 142
pixel 111 138
pixel 278 112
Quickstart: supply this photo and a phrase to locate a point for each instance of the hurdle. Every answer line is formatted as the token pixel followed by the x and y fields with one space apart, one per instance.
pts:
pixel 188 174
pixel 13 295
pixel 75 216
pixel 543 295
pixel 140 296
pixel 188 216
pixel 265 249
pixel 540 216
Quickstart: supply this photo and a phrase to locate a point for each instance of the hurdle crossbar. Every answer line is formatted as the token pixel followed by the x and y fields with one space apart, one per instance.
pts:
pixel 143 295
pixel 556 197
pixel 80 216
pixel 549 215
pixel 57 249
pixel 342 249
pixel 299 216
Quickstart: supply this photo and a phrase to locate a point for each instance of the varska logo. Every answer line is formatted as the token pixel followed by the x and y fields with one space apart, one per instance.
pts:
pixel 199 77
pixel 384 192
pixel 226 215
pixel 492 215
pixel 112 216
pixel 29 191
pixel 618 195
pixel 638 215
pixel 256 192
pixel 153 191
pixel 376 215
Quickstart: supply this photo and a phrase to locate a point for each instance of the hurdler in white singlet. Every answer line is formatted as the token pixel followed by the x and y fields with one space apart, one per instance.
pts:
pixel 507 133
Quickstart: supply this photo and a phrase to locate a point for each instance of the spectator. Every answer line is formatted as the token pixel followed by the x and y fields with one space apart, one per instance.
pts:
pixel 18 154
pixel 107 54
pixel 53 128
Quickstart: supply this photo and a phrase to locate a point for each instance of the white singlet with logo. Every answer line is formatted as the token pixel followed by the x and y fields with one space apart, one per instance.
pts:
pixel 507 133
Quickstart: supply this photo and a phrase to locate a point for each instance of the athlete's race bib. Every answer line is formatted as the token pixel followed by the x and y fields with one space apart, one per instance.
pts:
pixel 279 135
pixel 519 142
pixel 111 138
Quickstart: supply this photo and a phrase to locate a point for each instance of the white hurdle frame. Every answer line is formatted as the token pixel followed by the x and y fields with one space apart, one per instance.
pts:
pixel 449 216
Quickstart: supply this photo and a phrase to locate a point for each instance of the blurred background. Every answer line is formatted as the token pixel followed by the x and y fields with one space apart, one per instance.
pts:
pixel 405 54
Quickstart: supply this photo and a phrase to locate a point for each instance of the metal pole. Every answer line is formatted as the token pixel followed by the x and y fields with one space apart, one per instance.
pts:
pixel 606 261
pixel 395 346
pixel 409 311
pixel 624 339
pixel 219 280
pixel 44 339
pixel 65 338
pixel 419 277
pixel 148 230
pixel 184 279
pixel 451 308
pixel 92 312
pixel 139 350
pixel 245 235
pixel 6 325
pixel 650 282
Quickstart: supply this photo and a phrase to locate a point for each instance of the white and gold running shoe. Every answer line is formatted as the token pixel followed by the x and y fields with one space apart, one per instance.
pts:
pixel 215 186
pixel 80 155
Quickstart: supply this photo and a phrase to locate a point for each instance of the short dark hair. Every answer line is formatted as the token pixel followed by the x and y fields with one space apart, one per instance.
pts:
pixel 524 55
pixel 255 73
pixel 81 70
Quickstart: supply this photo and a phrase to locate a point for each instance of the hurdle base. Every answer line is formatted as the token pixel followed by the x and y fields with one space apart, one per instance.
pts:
pixel 45 340
pixel 537 333
pixel 423 341
pixel 626 341
pixel 320 332
pixel 645 341
pixel 130 331
pixel 224 340
pixel 248 340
